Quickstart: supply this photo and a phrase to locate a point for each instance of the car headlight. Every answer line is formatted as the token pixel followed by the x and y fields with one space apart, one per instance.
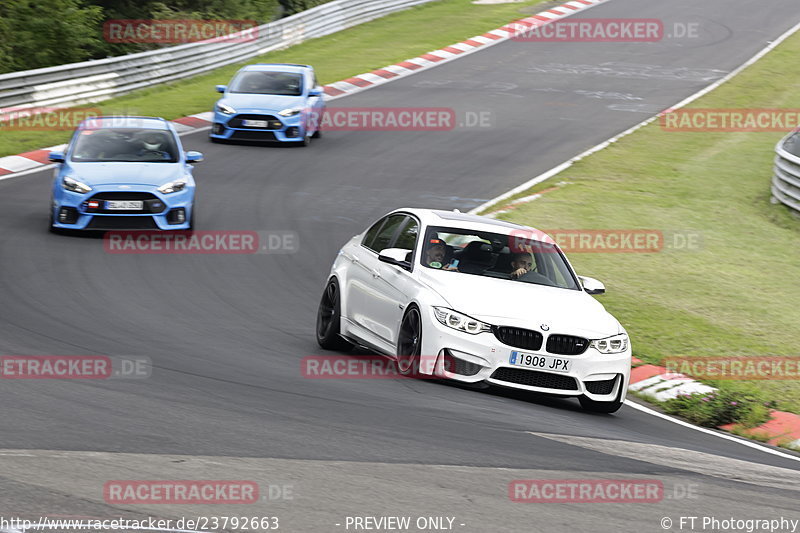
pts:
pixel 173 186
pixel 615 344
pixel 225 109
pixel 459 321
pixel 290 112
pixel 71 184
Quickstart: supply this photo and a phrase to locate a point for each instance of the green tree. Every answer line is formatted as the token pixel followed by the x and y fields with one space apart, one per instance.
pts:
pixel 41 33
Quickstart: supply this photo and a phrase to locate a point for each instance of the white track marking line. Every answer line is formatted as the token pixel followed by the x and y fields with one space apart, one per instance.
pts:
pixel 563 166
pixel 726 436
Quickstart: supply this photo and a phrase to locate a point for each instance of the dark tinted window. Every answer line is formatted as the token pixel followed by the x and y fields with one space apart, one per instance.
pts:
pixel 125 144
pixel 384 237
pixel 373 231
pixel 255 82
pixel 408 235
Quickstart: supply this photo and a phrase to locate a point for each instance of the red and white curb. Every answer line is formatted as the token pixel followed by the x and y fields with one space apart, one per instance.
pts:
pixel 454 51
pixel 657 384
pixel 31 161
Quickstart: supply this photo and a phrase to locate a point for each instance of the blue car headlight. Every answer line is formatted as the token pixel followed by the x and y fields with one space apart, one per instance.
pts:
pixel 292 111
pixel 73 185
pixel 173 186
pixel 225 109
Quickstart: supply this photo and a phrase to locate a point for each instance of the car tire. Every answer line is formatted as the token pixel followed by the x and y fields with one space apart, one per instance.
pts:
pixel 317 134
pixel 51 228
pixel 602 407
pixel 328 319
pixel 306 140
pixel 409 342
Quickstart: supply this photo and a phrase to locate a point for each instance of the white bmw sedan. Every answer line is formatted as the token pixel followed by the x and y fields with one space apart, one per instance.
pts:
pixel 474 299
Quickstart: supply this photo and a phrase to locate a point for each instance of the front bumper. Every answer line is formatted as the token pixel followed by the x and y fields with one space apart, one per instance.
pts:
pixel 74 211
pixel 483 358
pixel 279 129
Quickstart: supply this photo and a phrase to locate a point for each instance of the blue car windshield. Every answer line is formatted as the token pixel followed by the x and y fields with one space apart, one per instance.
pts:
pixel 134 145
pixel 280 83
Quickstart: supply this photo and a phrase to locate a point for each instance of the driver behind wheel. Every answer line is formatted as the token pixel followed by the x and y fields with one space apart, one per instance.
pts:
pixel 153 143
pixel 521 264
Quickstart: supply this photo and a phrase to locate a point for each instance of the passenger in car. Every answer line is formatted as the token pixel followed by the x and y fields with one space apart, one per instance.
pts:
pixel 435 254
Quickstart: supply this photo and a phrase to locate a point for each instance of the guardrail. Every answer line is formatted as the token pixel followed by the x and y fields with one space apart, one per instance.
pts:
pixel 786 172
pixel 93 81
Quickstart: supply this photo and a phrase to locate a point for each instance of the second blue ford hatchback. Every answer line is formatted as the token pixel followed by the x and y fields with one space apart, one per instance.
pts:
pixel 124 173
pixel 270 102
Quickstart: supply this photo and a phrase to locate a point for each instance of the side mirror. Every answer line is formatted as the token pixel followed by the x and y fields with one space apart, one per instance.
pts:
pixel 591 285
pixel 193 157
pixel 222 88
pixel 396 257
pixel 57 157
pixel 316 91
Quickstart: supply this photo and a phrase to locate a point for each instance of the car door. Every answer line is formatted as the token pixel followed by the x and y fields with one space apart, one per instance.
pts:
pixel 364 293
pixel 393 284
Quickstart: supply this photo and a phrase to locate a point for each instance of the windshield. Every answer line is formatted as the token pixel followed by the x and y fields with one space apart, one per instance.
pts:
pixel 280 83
pixel 496 255
pixel 125 144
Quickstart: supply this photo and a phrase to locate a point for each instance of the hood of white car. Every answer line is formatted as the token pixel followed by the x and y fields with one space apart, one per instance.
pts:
pixel 520 304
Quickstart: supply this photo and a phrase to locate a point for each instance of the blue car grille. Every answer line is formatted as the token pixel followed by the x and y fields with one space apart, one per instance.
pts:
pixel 151 203
pixel 239 135
pixel 122 223
pixel 273 123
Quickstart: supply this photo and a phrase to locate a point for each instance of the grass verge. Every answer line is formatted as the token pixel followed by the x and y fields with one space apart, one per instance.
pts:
pixel 735 295
pixel 366 47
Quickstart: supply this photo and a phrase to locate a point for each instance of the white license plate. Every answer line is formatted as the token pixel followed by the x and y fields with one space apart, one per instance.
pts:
pixel 255 123
pixel 125 205
pixel 540 362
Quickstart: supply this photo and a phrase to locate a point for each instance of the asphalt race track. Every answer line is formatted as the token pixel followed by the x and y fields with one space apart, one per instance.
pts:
pixel 226 333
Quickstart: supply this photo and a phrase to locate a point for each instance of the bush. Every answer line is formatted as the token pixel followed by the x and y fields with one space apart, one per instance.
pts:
pixel 290 7
pixel 719 408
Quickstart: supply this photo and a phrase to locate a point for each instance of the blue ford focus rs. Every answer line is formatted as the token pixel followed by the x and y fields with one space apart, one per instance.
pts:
pixel 124 173
pixel 269 103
